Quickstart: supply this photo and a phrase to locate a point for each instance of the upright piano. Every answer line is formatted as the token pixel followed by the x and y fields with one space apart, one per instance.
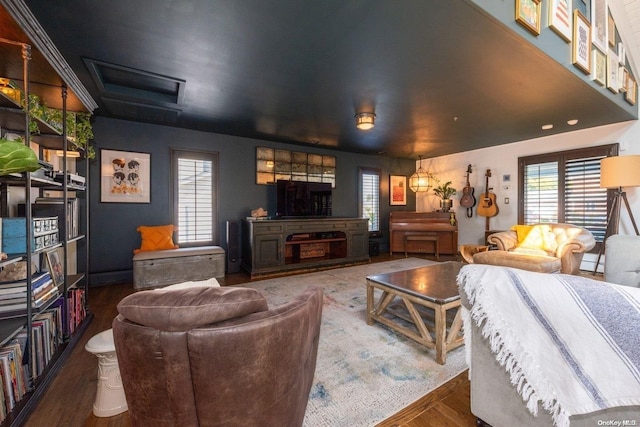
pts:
pixel 425 223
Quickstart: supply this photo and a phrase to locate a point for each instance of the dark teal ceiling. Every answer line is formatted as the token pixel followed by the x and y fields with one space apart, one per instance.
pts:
pixel 442 76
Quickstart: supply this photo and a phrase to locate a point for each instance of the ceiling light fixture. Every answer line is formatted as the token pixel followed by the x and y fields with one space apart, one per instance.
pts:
pixel 419 181
pixel 365 121
pixel 547 127
pixel 572 122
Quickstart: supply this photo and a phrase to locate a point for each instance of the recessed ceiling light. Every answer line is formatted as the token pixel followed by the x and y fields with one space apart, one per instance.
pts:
pixel 547 127
pixel 572 122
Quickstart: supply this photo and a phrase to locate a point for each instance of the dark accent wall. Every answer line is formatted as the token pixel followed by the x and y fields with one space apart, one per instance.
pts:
pixel 113 235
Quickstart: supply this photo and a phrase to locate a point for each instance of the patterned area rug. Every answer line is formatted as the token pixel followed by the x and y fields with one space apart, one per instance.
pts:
pixel 364 374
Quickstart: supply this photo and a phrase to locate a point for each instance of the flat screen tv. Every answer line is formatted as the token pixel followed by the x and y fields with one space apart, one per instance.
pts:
pixel 303 199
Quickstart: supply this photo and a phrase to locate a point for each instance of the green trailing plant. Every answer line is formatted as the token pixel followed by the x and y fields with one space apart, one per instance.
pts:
pixel 444 191
pixel 79 128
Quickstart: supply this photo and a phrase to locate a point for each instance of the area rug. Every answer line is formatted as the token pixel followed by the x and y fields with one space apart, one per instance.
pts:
pixel 364 374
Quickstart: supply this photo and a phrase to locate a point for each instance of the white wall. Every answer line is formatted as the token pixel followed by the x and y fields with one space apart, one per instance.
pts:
pixel 503 160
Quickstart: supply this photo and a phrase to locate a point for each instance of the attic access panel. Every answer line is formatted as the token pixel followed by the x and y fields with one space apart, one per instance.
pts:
pixel 118 81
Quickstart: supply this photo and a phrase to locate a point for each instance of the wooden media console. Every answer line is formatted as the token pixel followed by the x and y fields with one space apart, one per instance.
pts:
pixel 276 246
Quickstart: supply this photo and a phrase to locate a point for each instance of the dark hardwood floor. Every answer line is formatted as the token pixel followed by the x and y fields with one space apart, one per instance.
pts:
pixel 68 400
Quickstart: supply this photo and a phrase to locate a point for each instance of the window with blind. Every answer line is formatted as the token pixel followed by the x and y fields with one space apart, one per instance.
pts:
pixel 195 196
pixel 565 187
pixel 370 197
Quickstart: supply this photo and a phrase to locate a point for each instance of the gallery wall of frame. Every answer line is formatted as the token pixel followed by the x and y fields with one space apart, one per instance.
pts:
pixel 590 30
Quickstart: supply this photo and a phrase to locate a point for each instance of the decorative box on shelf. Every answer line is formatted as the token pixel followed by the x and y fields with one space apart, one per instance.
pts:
pixel 14 234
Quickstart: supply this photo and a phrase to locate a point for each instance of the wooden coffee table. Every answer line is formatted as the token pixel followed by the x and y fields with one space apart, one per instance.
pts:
pixel 426 291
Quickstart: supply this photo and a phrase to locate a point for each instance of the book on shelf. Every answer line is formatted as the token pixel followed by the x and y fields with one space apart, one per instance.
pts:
pixel 20 309
pixel 41 285
pixel 36 280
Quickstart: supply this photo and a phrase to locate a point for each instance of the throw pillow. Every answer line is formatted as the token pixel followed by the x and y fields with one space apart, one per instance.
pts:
pixel 540 237
pixel 156 238
pixel 522 231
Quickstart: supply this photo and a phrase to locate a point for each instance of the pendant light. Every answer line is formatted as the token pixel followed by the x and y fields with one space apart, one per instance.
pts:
pixel 419 181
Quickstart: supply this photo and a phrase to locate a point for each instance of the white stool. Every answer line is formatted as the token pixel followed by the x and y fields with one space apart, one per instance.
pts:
pixel 110 398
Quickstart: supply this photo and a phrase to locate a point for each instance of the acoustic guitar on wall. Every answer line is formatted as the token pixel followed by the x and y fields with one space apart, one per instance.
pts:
pixel 487 206
pixel 468 200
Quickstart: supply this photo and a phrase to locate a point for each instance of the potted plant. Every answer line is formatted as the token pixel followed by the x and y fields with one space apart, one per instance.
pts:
pixel 445 191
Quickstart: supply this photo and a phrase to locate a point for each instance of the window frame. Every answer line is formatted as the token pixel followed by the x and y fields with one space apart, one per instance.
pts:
pixel 362 171
pixel 562 157
pixel 213 156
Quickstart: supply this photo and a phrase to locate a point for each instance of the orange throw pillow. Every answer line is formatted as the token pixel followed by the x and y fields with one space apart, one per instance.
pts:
pixel 156 238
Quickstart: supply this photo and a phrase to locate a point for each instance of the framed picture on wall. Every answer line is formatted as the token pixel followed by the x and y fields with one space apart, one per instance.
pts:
pixel 529 14
pixel 611 31
pixel 125 177
pixel 397 190
pixel 599 67
pixel 612 72
pixel 581 49
pixel 560 18
pixel 599 21
pixel 632 91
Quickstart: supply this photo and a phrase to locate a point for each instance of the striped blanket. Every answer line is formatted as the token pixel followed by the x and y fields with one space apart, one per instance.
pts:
pixel 570 343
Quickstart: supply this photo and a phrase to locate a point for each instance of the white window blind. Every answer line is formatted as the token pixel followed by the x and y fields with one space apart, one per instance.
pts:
pixel 565 187
pixel 541 193
pixel 585 202
pixel 370 193
pixel 194 199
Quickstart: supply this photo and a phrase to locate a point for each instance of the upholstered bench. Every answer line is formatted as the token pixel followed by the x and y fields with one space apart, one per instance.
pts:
pixel 165 267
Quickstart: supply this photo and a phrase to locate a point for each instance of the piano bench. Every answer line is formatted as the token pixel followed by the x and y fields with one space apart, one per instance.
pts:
pixel 421 238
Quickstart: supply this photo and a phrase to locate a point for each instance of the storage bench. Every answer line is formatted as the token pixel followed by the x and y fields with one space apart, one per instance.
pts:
pixel 159 268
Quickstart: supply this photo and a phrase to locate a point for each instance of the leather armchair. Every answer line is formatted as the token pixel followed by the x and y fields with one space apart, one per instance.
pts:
pixel 548 248
pixel 213 356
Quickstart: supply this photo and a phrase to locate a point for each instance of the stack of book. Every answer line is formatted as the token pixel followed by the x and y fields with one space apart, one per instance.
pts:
pixel 76 307
pixel 13 295
pixel 14 378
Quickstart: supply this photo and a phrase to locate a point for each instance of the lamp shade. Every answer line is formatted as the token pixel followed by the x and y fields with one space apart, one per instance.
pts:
pixel 365 121
pixel 620 171
pixel 419 181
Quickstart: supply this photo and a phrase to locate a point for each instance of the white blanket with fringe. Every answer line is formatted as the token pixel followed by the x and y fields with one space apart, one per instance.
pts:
pixel 568 342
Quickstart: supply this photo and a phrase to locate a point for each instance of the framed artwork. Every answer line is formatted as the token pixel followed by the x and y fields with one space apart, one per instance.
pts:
pixel 397 190
pixel 581 49
pixel 622 54
pixel 632 91
pixel 611 31
pixel 560 18
pixel 529 14
pixel 599 67
pixel 612 72
pixel 599 20
pixel 623 79
pixel 125 177
pixel 55 267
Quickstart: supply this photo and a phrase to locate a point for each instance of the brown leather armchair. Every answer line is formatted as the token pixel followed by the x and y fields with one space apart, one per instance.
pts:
pixel 213 356
pixel 543 247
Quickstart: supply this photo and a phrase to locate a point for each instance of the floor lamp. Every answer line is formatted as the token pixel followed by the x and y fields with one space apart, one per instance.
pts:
pixel 617 172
